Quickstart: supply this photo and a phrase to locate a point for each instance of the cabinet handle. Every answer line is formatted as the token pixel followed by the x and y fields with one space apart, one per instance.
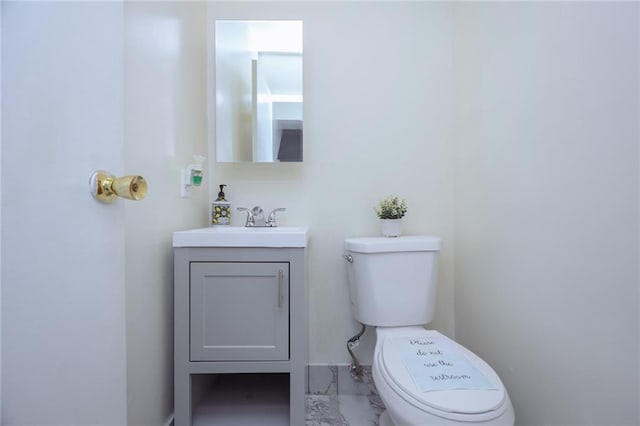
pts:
pixel 280 289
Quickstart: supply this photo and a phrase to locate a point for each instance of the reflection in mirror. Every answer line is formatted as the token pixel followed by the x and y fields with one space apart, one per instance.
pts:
pixel 258 91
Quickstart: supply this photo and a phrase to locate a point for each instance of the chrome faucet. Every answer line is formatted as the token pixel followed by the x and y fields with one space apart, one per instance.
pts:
pixel 271 219
pixel 255 217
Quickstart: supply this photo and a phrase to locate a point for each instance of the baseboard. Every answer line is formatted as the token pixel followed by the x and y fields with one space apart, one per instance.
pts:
pixel 336 379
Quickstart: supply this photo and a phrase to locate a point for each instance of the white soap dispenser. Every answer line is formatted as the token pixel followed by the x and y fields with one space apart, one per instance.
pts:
pixel 221 209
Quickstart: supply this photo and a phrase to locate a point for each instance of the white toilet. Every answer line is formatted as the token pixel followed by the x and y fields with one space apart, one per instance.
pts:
pixel 423 377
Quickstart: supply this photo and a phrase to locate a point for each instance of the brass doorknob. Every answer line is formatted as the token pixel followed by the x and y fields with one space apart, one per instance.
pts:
pixel 105 187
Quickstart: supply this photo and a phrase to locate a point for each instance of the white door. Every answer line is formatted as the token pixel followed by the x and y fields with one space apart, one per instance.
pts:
pixel 63 305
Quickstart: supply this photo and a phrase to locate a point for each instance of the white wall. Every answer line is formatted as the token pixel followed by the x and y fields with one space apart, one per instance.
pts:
pixel 546 208
pixel 63 266
pixel 165 125
pixel 377 109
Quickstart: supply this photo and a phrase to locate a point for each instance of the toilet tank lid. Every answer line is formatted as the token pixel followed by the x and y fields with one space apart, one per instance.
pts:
pixel 385 244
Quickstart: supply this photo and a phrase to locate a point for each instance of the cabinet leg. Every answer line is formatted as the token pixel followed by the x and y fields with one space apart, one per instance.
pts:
pixel 182 400
pixel 297 398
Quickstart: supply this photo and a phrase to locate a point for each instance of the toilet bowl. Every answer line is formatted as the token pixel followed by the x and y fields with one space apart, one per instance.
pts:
pixel 407 405
pixel 392 287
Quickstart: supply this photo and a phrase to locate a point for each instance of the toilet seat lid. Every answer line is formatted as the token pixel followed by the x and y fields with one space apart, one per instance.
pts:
pixel 460 401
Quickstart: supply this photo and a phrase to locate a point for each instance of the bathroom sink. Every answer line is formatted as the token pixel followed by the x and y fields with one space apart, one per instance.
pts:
pixel 236 236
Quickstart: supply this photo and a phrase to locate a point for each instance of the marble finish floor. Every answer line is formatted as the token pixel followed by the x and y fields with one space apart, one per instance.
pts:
pixel 334 398
pixel 343 410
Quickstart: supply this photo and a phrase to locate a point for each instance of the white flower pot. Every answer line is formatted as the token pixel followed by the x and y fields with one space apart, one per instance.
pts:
pixel 391 227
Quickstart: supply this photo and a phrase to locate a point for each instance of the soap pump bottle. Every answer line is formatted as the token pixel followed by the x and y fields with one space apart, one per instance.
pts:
pixel 221 209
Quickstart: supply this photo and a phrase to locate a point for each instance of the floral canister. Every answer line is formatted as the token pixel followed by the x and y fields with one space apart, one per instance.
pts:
pixel 221 209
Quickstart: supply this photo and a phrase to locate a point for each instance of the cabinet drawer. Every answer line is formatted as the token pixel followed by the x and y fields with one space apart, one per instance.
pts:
pixel 239 311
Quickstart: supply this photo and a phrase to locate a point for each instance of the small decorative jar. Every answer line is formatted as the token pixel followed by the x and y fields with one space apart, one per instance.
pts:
pixel 221 209
pixel 391 227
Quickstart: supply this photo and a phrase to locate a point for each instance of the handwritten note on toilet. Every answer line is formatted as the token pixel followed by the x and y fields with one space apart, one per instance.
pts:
pixel 435 363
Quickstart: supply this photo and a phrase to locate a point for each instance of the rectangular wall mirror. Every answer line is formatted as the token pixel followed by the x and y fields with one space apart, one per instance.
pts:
pixel 258 75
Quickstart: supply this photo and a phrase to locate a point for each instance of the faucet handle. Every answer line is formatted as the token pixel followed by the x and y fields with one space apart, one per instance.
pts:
pixel 258 216
pixel 271 219
pixel 250 219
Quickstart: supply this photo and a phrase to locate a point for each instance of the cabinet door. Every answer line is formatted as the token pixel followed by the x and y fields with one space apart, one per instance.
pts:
pixel 239 311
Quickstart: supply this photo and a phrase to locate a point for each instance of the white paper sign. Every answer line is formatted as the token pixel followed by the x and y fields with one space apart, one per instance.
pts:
pixel 435 363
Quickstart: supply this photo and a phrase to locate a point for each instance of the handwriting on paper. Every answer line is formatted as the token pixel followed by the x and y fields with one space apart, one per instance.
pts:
pixel 436 363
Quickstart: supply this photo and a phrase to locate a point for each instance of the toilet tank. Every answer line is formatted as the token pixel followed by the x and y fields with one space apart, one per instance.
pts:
pixel 392 281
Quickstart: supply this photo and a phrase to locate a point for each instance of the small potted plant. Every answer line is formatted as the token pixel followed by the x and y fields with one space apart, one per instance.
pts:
pixel 390 210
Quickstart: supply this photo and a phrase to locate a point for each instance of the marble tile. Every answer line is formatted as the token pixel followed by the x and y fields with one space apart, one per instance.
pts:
pixel 357 410
pixel 323 379
pixel 343 410
pixel 323 410
pixel 347 385
pixel 337 399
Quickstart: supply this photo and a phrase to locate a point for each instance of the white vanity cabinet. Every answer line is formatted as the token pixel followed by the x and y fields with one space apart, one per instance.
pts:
pixel 239 309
